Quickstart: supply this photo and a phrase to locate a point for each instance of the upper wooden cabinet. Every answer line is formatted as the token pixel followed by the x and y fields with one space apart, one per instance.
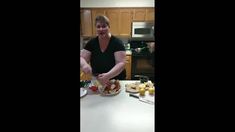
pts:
pixel 120 19
pixel 114 17
pixel 150 13
pixel 86 22
pixel 125 22
pixel 139 14
pixel 143 14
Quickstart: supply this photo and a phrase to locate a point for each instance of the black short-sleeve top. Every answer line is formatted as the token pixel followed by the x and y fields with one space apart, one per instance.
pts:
pixel 102 62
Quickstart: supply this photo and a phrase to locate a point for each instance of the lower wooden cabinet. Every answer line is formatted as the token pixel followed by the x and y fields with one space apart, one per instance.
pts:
pixel 128 67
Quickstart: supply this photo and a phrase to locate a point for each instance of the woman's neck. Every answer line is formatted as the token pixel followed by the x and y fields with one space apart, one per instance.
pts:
pixel 106 37
pixel 103 42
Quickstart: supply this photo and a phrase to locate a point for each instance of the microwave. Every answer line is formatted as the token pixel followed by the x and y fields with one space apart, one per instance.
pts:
pixel 142 30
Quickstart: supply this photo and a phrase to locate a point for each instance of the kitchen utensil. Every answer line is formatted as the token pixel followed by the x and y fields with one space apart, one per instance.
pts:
pixel 142 99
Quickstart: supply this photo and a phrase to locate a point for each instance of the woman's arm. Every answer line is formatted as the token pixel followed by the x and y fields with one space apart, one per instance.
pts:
pixel 84 60
pixel 120 59
pixel 85 54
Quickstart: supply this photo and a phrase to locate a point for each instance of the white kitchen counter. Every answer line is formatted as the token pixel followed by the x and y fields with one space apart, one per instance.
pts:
pixel 119 113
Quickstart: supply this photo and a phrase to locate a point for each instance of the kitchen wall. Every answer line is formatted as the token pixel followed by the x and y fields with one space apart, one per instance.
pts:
pixel 116 3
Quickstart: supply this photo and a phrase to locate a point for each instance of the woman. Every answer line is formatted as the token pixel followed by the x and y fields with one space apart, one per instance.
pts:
pixel 105 53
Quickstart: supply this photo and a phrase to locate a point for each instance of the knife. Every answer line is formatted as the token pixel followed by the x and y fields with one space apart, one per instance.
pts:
pixel 142 99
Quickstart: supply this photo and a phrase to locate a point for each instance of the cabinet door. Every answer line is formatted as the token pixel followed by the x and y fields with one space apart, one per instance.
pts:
pixel 113 15
pixel 86 22
pixel 150 12
pixel 95 13
pixel 128 67
pixel 139 14
pixel 125 22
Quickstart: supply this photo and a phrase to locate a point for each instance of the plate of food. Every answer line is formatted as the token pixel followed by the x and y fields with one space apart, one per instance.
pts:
pixel 132 87
pixel 112 89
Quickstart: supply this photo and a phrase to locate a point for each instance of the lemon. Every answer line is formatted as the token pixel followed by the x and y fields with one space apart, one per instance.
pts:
pixel 142 86
pixel 151 90
pixel 142 91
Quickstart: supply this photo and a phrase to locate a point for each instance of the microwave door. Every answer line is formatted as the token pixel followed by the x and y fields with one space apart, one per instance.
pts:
pixel 142 32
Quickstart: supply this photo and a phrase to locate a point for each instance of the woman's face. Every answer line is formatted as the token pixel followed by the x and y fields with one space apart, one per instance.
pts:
pixel 102 29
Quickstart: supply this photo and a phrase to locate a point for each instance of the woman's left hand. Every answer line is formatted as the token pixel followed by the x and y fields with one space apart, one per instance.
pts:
pixel 104 79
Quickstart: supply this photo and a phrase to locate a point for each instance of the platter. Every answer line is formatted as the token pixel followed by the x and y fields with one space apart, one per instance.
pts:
pixel 83 92
pixel 132 87
pixel 112 89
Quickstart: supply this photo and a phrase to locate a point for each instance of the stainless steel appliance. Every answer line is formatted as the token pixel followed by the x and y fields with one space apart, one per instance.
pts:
pixel 142 30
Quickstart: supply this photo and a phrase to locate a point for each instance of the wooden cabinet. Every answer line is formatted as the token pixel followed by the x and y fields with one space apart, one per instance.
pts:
pixel 128 67
pixel 120 20
pixel 150 13
pixel 125 22
pixel 139 14
pixel 86 22
pixel 143 14
pixel 113 15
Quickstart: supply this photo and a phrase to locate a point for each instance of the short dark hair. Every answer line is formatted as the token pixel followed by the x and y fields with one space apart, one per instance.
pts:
pixel 102 19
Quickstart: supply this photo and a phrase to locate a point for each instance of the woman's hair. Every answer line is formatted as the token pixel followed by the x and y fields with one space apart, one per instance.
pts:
pixel 102 19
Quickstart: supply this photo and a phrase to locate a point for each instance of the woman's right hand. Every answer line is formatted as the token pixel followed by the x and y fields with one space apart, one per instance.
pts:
pixel 87 69
pixel 104 79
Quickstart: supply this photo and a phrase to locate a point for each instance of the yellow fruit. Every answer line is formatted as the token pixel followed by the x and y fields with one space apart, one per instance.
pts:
pixel 142 86
pixel 142 91
pixel 151 90
pixel 145 83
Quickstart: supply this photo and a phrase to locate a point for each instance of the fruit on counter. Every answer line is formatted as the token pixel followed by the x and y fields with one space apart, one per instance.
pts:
pixel 142 91
pixel 97 83
pixel 134 87
pixel 151 90
pixel 142 86
pixel 94 88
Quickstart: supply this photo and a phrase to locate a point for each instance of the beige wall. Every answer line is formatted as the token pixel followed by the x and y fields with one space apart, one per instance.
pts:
pixel 117 3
